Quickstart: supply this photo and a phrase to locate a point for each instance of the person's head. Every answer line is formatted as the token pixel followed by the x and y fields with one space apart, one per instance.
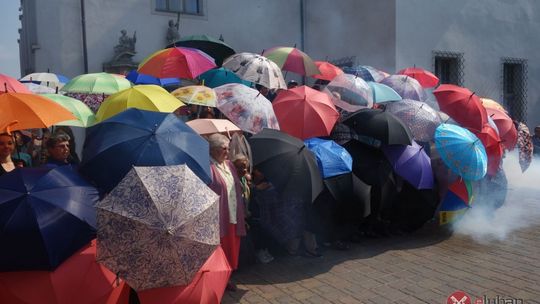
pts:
pixel 241 164
pixel 171 22
pixel 123 32
pixel 58 147
pixel 7 145
pixel 219 147
pixel 248 179
pixel 292 84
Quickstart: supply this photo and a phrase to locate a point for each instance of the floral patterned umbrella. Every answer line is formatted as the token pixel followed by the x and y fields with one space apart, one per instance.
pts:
pixel 350 93
pixel 158 226
pixel 245 107
pixel 257 69
pixel 197 95
pixel 421 119
pixel 525 146
pixel 93 101
pixel 406 86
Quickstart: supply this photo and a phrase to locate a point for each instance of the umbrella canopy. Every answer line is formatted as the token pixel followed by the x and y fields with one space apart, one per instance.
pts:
pixel 209 126
pixel 217 77
pixel 304 112
pixel 406 86
pixel 383 93
pixel 462 105
pixel 525 146
pixel 96 83
pixel 39 89
pixel 332 158
pixel 85 116
pixel 327 70
pixel 490 103
pixel 494 150
pixel 350 93
pixel 80 279
pixel 293 60
pixel 381 125
pixel 141 138
pixel 30 111
pixel 93 101
pixel 456 202
pixel 46 215
pixel 197 95
pixel 352 193
pixel 245 107
pixel 177 62
pixel 461 151
pixel 421 119
pixel 369 163
pixel 216 48
pixel 208 285
pixel 145 97
pixel 138 78
pixel 287 164
pixel 12 85
pixel 425 78
pixel 47 79
pixel 257 69
pixel 505 126
pixel 366 72
pixel 412 163
pixel 158 226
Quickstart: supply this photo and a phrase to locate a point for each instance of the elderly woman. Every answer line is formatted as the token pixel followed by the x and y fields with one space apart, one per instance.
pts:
pixel 226 184
pixel 7 145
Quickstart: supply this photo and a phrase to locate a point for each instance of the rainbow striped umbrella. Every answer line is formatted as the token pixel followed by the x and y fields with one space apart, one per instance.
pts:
pixel 456 202
pixel 293 60
pixel 177 62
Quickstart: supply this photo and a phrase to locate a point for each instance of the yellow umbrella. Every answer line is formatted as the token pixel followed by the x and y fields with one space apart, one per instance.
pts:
pixel 490 103
pixel 197 95
pixel 144 97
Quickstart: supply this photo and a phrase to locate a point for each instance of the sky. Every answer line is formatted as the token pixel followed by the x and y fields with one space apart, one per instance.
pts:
pixel 9 48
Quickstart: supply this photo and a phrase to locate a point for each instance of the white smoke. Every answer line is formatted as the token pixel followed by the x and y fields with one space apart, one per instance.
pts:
pixel 485 223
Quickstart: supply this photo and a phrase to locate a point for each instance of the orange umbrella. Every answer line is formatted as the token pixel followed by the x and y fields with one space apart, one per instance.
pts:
pixel 328 71
pixel 30 111
pixel 490 103
pixel 10 84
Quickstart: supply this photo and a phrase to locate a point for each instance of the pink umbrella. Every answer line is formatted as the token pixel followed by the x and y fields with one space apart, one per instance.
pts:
pixel 10 84
pixel 209 126
pixel 328 71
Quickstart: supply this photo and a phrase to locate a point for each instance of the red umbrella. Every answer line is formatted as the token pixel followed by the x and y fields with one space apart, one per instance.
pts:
pixel 494 149
pixel 304 112
pixel 328 71
pixel 176 62
pixel 10 84
pixel 507 130
pixel 80 279
pixel 425 78
pixel 207 286
pixel 462 105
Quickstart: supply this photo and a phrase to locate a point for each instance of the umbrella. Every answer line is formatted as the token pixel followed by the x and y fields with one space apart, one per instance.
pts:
pixel 490 103
pixel 425 78
pixel 216 48
pixel 327 70
pixel 208 285
pixel 138 78
pixel 525 146
pixel 158 226
pixel 145 97
pixel 176 62
pixel 85 116
pixel 30 111
pixel 494 150
pixel 462 105
pixel 332 158
pixel 141 138
pixel 46 215
pixel 381 125
pixel 39 89
pixel 505 126
pixel 47 79
pixel 293 60
pixel 209 126
pixel 492 124
pixel 304 112
pixel 80 279
pixel 421 119
pixel 350 93
pixel 456 202
pixel 245 107
pixel 287 164
pixel 366 72
pixel 93 101
pixel 218 77
pixel 257 69
pixel 12 85
pixel 412 163
pixel 383 93
pixel 197 95
pixel 96 83
pixel 461 151
pixel 407 87
pixel 349 190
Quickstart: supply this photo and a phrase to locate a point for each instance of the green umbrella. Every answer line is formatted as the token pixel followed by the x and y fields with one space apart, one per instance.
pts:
pixel 85 116
pixel 97 83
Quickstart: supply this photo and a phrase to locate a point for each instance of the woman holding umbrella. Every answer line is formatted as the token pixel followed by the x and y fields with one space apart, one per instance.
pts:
pixel 231 209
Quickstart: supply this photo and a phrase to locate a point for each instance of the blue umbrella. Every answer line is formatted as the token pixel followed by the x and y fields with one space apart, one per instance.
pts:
pixel 332 158
pixel 383 93
pixel 46 215
pixel 218 77
pixel 461 151
pixel 138 78
pixel 141 138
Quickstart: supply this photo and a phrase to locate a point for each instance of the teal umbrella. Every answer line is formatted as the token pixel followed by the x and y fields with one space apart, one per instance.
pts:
pixel 383 93
pixel 218 77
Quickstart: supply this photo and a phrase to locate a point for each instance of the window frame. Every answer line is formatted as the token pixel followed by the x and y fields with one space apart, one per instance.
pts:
pixel 517 107
pixel 200 4
pixel 459 64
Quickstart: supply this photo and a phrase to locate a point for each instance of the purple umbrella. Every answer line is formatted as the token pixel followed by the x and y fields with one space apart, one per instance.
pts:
pixel 407 87
pixel 412 163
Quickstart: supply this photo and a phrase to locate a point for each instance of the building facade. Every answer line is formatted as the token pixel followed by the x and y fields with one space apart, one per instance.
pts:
pixel 485 45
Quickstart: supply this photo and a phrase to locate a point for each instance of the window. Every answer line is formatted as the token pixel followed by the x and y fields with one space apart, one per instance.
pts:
pixel 192 7
pixel 514 74
pixel 448 66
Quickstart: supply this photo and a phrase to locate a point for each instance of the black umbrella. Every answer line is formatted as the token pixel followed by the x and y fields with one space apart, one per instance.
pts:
pixel 381 125
pixel 351 192
pixel 287 163
pixel 216 48
pixel 412 208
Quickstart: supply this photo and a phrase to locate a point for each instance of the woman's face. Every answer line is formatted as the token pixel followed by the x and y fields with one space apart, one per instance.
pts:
pixel 221 153
pixel 6 146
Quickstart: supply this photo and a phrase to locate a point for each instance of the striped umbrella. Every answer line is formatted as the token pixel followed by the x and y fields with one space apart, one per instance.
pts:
pixel 177 62
pixel 456 202
pixel 293 60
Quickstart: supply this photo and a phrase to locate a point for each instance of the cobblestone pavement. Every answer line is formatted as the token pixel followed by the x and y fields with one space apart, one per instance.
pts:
pixel 425 267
